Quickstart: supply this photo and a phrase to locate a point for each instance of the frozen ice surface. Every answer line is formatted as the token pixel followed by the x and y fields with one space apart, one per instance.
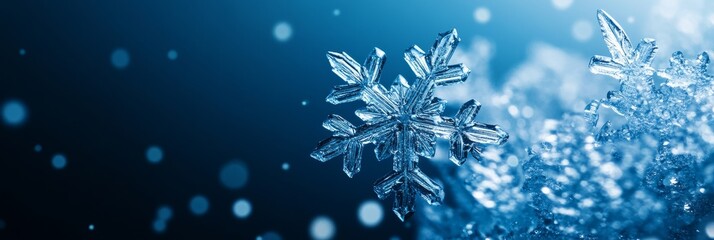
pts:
pixel 404 120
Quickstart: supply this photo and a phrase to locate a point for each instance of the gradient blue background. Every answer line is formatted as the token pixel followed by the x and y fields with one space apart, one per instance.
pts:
pixel 234 92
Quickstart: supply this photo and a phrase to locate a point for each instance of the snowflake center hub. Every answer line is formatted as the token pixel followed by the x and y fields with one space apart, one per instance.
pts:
pixel 404 119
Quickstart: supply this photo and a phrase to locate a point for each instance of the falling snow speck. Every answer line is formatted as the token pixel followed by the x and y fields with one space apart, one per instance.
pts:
pixel 370 213
pixel 2 224
pixel 198 205
pixel 336 12
pixel 59 161
pixel 120 58
pixel 22 52
pixel 234 174
pixel 482 15
pixel 38 148
pixel 154 154
pixel 282 31
pixel 582 30
pixel 91 227
pixel 304 102
pixel 172 54
pixel 322 228
pixel 286 166
pixel 14 113
pixel 242 208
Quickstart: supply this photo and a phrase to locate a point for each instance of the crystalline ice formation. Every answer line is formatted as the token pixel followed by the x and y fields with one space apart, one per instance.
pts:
pixel 665 109
pixel 648 176
pixel 636 180
pixel 404 121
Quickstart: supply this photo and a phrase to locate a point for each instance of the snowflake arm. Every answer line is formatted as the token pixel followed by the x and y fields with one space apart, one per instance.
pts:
pixel 624 60
pixel 464 133
pixel 432 69
pixel 434 65
pixel 348 140
pixel 407 180
pixel 406 186
pixel 362 81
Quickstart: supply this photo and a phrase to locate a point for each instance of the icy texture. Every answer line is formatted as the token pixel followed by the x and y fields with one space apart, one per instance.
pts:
pixel 637 164
pixel 668 110
pixel 404 121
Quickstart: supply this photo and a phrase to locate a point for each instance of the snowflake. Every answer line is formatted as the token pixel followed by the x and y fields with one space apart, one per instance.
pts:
pixel 629 65
pixel 404 121
pixel 662 109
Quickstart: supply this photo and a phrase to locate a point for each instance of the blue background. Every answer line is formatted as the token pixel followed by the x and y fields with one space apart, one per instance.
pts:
pixel 234 92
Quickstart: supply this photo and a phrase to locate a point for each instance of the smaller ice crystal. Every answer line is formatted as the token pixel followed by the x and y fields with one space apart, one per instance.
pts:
pixel 625 61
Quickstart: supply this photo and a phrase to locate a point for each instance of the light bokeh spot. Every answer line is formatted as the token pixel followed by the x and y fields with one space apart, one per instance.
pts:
pixel 234 174
pixel 370 213
pixel 482 15
pixel 154 154
pixel 172 54
pixel 322 228
pixel 14 113
pixel 59 161
pixel 242 208
pixel 120 58
pixel 562 4
pixel 582 30
pixel 198 205
pixel 282 31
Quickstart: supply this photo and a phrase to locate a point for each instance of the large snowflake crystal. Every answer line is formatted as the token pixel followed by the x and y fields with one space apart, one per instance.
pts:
pixel 404 121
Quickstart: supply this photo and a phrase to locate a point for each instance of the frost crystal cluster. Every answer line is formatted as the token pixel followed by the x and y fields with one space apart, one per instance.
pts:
pixel 637 164
pixel 404 121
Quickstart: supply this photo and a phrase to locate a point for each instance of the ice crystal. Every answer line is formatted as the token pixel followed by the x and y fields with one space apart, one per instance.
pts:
pixel 643 171
pixel 664 109
pixel 404 121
